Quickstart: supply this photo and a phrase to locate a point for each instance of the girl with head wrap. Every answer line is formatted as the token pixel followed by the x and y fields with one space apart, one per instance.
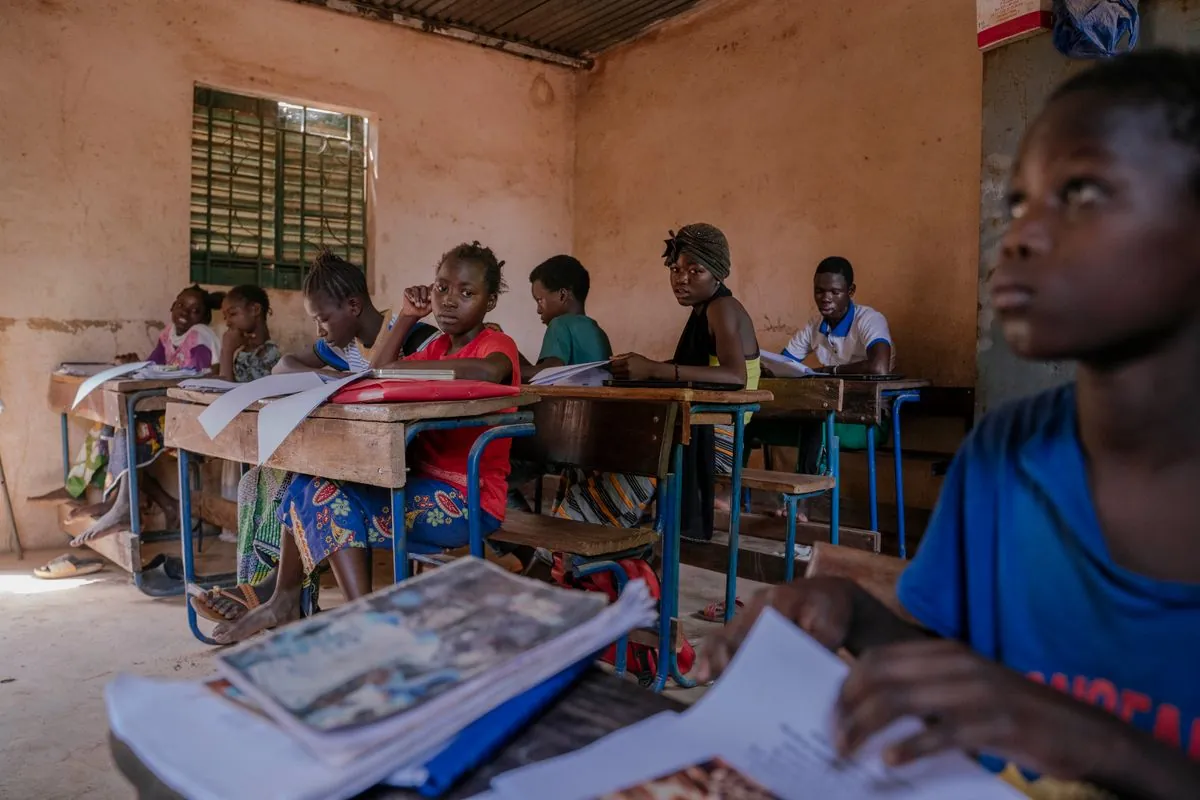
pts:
pixel 718 345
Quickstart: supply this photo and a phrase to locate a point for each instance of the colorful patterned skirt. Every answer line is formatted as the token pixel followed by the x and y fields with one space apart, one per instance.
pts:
pixel 327 516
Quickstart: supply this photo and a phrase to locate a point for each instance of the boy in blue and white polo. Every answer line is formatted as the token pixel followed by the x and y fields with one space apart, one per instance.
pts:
pixel 847 338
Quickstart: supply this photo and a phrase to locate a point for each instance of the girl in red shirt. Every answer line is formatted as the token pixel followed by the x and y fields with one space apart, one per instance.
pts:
pixel 340 522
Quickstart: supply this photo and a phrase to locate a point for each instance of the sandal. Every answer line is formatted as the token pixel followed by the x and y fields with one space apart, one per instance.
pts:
pixel 68 566
pixel 240 595
pixel 715 612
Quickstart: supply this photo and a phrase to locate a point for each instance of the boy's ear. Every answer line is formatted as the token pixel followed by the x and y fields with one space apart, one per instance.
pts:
pixel 851 290
pixel 354 306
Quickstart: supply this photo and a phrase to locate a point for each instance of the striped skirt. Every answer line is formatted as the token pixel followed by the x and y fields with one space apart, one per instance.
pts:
pixel 612 498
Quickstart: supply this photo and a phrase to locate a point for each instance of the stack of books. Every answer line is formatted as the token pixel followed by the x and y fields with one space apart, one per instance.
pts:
pixel 413 685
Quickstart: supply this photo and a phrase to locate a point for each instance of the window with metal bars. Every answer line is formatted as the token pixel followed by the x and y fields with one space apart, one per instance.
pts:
pixel 272 184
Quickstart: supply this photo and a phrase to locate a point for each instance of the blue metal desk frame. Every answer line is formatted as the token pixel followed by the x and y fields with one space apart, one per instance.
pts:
pixel 898 397
pixel 135 514
pixel 511 425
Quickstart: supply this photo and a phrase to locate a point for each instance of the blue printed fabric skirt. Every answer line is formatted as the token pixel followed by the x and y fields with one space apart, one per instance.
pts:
pixel 326 516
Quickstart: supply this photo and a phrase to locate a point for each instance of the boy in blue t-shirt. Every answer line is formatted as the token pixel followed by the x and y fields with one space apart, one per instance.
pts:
pixel 560 288
pixel 1058 586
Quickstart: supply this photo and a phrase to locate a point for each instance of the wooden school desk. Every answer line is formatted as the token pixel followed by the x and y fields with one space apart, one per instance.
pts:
pixel 113 403
pixel 595 707
pixel 863 403
pixel 567 408
pixel 363 443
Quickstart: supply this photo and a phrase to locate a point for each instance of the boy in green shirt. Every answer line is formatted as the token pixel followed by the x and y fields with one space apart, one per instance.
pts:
pixel 560 287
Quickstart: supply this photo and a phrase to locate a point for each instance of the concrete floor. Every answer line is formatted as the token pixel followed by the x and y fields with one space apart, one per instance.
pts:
pixel 62 641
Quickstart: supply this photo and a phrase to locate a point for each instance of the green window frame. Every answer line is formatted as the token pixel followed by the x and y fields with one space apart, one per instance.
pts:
pixel 272 184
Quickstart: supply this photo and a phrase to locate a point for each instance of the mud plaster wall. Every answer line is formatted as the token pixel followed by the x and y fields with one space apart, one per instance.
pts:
pixel 95 116
pixel 802 129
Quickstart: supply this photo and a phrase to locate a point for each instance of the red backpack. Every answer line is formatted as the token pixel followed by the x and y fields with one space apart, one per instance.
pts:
pixel 640 659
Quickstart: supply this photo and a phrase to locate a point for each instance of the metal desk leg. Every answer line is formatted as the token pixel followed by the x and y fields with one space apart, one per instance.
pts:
pixel 735 514
pixel 66 448
pixel 872 488
pixel 185 539
pixel 135 504
pixel 474 509
pixel 790 501
pixel 399 537
pixel 834 454
pixel 899 401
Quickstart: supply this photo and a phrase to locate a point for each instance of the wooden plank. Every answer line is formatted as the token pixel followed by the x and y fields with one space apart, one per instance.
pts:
pixel 676 394
pixel 120 546
pixel 782 482
pixel 385 412
pixel 363 452
pixel 105 405
pixel 567 536
pixel 775 528
pixel 803 397
pixel 650 637
pixel 61 395
pixel 581 433
pixel 215 509
pixel 753 565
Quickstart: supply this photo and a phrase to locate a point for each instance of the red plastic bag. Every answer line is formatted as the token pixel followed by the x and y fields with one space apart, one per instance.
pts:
pixel 392 390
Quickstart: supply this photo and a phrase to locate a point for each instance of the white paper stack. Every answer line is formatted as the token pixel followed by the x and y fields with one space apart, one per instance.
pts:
pixel 336 703
pixel 594 373
pixel 784 367
pixel 764 731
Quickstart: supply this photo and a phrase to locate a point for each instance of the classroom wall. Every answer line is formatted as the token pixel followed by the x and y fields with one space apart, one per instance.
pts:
pixel 802 129
pixel 95 119
pixel 1017 80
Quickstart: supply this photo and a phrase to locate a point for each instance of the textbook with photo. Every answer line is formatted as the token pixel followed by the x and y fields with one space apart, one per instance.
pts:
pixel 428 653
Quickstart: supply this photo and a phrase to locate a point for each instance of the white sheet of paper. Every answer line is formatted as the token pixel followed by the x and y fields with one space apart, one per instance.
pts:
pixel 91 384
pixel 771 718
pixel 280 417
pixel 593 373
pixel 784 367
pixel 223 410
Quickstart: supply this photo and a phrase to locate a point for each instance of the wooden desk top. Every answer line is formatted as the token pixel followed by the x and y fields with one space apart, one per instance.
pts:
pixel 106 404
pixel 598 705
pixel 363 443
pixel 858 402
pixel 384 412
pixel 666 393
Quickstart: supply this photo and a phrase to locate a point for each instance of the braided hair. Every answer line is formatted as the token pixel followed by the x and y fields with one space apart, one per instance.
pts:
pixel 336 277
pixel 483 256
pixel 209 301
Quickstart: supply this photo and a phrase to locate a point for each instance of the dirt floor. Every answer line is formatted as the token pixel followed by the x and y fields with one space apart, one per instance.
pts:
pixel 62 641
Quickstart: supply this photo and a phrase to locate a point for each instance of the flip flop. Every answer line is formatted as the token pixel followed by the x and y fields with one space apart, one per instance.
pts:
pixel 68 566
pixel 241 595
pixel 715 612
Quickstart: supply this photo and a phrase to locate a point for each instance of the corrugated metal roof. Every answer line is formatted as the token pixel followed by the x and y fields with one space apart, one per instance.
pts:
pixel 563 31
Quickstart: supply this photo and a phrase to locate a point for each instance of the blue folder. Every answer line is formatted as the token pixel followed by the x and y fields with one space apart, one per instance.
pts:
pixel 484 737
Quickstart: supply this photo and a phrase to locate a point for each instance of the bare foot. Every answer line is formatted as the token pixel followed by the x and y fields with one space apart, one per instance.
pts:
pixel 233 604
pixel 800 515
pixel 94 510
pixel 721 504
pixel 282 608
pixel 115 517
